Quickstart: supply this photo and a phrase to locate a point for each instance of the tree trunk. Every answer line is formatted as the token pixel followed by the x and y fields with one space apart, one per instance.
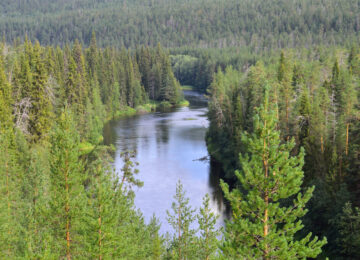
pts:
pixel 100 223
pixel 347 139
pixel 266 199
pixel 100 255
pixel 322 144
pixel 8 199
pixel 179 232
pixel 67 209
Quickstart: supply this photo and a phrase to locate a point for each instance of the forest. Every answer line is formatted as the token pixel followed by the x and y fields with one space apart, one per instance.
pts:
pixel 176 23
pixel 282 80
pixel 315 98
pixel 60 196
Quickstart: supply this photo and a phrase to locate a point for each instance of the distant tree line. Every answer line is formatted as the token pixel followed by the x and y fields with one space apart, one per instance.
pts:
pixel 198 23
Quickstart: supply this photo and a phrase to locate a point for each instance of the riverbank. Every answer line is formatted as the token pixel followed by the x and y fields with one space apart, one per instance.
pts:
pixel 128 112
pixel 147 108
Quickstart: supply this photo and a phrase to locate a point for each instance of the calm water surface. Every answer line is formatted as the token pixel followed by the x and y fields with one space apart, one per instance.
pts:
pixel 168 147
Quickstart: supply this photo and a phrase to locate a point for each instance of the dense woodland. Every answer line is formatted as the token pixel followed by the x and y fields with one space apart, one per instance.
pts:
pixel 282 78
pixel 214 32
pixel 59 195
pixel 197 23
pixel 315 97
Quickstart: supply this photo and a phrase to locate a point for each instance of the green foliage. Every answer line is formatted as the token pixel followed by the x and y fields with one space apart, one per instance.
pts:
pixel 129 171
pixel 349 225
pixel 95 84
pixel 60 197
pixel 182 218
pixel 208 240
pixel 5 99
pixel 203 23
pixel 11 205
pixel 314 96
pixel 188 242
pixel 312 101
pixel 102 220
pixel 262 224
pixel 36 188
pixel 67 200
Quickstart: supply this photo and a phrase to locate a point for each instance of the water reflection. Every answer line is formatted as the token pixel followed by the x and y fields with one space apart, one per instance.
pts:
pixel 168 147
pixel 162 131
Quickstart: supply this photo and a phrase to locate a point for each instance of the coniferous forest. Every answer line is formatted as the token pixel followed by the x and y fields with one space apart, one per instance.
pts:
pixel 282 80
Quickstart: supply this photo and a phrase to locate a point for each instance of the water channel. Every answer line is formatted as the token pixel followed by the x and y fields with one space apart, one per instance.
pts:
pixel 170 146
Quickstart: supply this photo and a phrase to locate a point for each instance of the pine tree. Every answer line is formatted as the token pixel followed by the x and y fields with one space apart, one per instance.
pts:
pixel 130 228
pixel 129 171
pixel 183 243
pixel 320 118
pixel 262 225
pixel 347 106
pixel 286 94
pixel 349 224
pixel 67 195
pixel 11 203
pixel 6 101
pixel 102 218
pixel 36 189
pixel 208 242
pixel 156 241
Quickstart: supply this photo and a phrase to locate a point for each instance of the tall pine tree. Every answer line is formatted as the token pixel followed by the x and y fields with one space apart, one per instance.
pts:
pixel 263 224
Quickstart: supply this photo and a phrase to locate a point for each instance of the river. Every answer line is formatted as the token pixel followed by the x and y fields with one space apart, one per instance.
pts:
pixel 170 146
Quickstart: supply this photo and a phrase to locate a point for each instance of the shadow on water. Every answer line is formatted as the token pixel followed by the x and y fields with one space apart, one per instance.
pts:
pixel 109 133
pixel 162 131
pixel 216 172
pixel 195 99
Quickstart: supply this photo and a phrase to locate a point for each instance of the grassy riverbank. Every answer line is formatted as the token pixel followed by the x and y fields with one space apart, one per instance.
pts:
pixel 187 87
pixel 129 111
pixel 148 108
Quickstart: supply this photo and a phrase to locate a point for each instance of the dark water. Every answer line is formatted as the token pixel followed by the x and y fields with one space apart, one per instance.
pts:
pixel 168 147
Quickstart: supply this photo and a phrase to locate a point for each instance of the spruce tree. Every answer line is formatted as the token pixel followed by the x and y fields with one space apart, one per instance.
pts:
pixel 40 94
pixel 263 224
pixel 92 57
